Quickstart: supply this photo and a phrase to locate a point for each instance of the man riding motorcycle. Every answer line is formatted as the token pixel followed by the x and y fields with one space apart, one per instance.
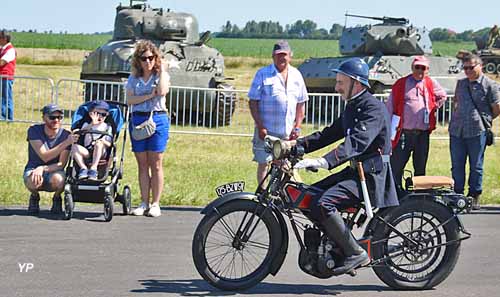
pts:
pixel 365 127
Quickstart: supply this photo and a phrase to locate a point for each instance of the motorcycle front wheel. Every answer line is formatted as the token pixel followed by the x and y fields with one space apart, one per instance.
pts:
pixel 233 245
pixel 421 251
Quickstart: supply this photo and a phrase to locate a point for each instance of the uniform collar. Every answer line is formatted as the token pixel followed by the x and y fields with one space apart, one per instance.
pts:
pixel 358 95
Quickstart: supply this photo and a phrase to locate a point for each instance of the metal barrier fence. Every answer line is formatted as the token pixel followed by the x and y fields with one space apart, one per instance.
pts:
pixel 221 111
pixel 29 95
pixel 71 93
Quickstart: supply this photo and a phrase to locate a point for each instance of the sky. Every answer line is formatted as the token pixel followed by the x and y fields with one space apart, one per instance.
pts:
pixel 88 16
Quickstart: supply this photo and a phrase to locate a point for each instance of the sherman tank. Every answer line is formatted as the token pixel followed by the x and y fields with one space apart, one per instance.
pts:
pixel 388 48
pixel 191 63
pixel 488 48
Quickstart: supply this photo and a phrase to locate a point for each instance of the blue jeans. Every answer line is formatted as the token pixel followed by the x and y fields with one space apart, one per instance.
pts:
pixel 473 148
pixel 7 102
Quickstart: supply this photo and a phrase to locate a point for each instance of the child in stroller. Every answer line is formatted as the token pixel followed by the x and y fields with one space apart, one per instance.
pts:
pixel 99 124
pixel 95 145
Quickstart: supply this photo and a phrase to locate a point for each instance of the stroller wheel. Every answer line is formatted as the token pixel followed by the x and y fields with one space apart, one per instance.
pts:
pixel 68 205
pixel 126 200
pixel 108 208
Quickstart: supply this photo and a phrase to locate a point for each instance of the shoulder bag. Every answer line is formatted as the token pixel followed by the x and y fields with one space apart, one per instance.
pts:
pixel 490 136
pixel 145 129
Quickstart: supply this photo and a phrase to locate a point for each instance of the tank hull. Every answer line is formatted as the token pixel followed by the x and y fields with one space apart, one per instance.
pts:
pixel 384 71
pixel 491 60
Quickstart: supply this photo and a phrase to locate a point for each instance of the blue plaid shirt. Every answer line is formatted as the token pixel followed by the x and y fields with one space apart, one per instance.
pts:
pixel 277 102
pixel 465 120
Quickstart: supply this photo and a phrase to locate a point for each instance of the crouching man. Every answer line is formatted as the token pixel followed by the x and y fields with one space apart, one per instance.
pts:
pixel 48 151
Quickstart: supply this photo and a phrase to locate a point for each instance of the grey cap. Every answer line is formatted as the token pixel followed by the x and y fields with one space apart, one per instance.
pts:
pixel 281 46
pixel 51 108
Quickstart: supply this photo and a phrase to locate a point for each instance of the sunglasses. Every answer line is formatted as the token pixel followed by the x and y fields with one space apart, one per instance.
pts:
pixel 470 67
pixel 150 58
pixel 420 67
pixel 53 118
pixel 102 114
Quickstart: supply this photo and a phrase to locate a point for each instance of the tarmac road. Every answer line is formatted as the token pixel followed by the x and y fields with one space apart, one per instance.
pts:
pixel 141 256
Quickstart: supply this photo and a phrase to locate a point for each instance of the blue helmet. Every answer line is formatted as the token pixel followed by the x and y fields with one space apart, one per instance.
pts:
pixel 356 69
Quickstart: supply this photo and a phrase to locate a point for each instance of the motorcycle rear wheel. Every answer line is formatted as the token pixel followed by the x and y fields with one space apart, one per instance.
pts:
pixel 224 257
pixel 410 267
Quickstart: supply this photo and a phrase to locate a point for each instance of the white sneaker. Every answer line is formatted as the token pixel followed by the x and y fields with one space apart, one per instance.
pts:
pixel 140 210
pixel 155 210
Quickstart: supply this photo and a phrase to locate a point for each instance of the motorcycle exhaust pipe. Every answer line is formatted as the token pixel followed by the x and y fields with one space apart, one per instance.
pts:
pixel 364 188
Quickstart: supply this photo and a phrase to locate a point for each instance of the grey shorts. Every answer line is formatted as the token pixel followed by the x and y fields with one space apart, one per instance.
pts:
pixel 47 176
pixel 260 155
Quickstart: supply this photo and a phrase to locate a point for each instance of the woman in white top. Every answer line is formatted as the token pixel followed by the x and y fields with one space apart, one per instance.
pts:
pixel 146 89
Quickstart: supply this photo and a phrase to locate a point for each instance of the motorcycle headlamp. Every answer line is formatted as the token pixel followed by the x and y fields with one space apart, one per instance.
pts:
pixel 278 150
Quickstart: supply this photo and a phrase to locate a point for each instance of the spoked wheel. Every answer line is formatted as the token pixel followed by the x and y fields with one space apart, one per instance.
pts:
pixel 233 246
pixel 421 252
pixel 126 200
pixel 108 208
pixel 69 205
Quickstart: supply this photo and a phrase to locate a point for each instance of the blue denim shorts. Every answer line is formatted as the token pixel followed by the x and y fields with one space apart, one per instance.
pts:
pixel 46 178
pixel 158 141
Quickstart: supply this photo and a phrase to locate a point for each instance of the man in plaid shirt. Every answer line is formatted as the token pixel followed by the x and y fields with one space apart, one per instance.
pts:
pixel 467 132
pixel 277 99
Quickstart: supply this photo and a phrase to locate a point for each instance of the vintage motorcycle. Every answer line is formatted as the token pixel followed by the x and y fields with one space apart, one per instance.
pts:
pixel 243 236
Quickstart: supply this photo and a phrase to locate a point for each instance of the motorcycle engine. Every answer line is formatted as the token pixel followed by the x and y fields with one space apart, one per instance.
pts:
pixel 319 256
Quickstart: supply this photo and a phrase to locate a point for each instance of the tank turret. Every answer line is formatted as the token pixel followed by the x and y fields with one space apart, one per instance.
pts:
pixel 191 63
pixel 389 48
pixel 394 36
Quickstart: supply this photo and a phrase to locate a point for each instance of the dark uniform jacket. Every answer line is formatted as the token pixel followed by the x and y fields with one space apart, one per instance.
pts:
pixel 365 128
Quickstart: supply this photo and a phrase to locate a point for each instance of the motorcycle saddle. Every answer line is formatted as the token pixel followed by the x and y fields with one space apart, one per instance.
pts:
pixel 430 182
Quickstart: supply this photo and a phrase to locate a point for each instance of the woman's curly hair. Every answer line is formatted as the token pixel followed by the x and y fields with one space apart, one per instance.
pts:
pixel 140 48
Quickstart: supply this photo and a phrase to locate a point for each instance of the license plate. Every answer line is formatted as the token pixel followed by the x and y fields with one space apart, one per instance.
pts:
pixel 238 186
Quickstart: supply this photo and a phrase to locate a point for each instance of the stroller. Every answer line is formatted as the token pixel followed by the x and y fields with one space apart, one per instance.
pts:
pixel 106 188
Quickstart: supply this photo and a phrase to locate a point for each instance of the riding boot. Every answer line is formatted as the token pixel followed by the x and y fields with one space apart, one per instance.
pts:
pixel 475 202
pixel 340 234
pixel 34 206
pixel 56 204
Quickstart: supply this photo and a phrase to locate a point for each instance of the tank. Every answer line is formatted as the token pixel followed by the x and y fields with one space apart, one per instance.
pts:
pixel 489 55
pixel 388 48
pixel 191 63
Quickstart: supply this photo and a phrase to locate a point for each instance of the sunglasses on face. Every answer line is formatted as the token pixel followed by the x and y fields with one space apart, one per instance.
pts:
pixel 420 67
pixel 102 114
pixel 470 67
pixel 150 58
pixel 53 118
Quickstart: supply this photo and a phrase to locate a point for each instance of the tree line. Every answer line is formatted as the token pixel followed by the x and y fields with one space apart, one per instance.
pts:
pixel 305 29
pixel 308 29
pixel 443 34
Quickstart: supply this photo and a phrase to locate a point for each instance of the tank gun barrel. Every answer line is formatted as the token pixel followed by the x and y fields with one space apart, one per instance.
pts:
pixel 384 19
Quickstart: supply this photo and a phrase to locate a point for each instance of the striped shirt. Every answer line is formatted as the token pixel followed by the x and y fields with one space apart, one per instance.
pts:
pixel 277 102
pixel 140 88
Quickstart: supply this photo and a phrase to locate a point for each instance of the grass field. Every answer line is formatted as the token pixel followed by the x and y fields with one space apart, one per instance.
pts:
pixel 195 165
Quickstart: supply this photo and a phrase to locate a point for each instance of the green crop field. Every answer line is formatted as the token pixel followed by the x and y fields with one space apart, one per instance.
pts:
pixel 304 48
pixel 257 48
pixel 59 41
